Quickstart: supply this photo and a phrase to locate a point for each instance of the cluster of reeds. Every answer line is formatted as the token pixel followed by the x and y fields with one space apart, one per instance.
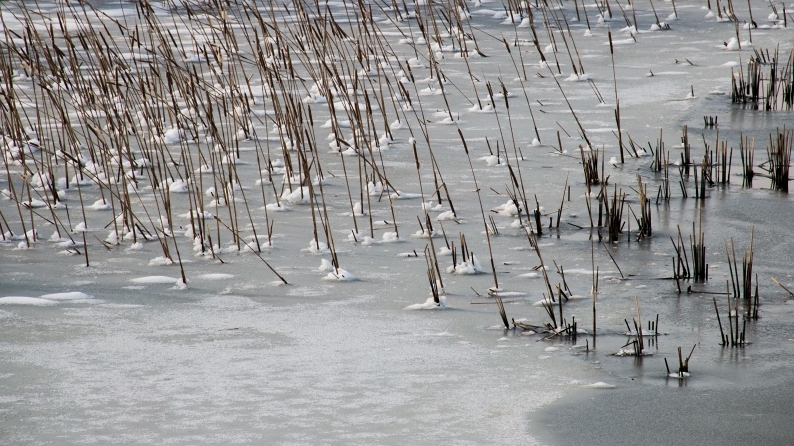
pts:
pixel 686 155
pixel 779 159
pixel 659 160
pixel 638 344
pixel 739 289
pixel 747 153
pixel 563 329
pixel 466 255
pixel 736 338
pixel 644 225
pixel 704 178
pixel 683 364
pixel 720 168
pixel 613 212
pixel 698 271
pixel 715 168
pixel 558 325
pixel 590 167
pixel 770 89
pixel 663 192
pixel 742 283
pixel 433 276
pixel 681 268
pixel 697 244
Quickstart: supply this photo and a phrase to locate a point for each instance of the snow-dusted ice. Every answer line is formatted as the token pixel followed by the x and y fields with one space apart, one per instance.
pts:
pixel 220 222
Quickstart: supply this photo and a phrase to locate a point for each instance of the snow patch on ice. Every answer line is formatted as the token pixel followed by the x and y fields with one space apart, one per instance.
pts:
pixel 161 261
pixel 74 295
pixel 23 300
pixel 340 275
pixel 430 304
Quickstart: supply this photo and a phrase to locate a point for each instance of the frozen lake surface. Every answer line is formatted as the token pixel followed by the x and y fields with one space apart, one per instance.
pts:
pixel 178 138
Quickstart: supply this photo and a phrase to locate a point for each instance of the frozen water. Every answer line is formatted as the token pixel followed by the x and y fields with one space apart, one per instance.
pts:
pixel 240 357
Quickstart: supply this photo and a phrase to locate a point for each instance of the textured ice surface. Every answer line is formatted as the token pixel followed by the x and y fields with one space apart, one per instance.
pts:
pixel 240 357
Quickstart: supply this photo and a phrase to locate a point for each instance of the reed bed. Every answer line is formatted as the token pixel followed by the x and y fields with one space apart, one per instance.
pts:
pixel 779 159
pixel 767 83
pixel 151 124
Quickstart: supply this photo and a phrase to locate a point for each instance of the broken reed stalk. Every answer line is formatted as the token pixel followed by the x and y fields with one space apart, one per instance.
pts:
pixel 683 364
pixel 638 325
pixel 482 209
pixel 594 289
pixel 747 268
pixel 502 312
pixel 617 99
pixel 613 260
pixel 561 272
pixel 562 201
pixel 782 286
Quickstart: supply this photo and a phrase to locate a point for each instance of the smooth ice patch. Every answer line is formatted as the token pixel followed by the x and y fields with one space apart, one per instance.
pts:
pixel 599 385
pixel 154 279
pixel 215 276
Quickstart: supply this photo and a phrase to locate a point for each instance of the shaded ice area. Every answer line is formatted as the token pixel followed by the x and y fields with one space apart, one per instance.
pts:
pixel 724 417
pixel 731 396
pixel 237 369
